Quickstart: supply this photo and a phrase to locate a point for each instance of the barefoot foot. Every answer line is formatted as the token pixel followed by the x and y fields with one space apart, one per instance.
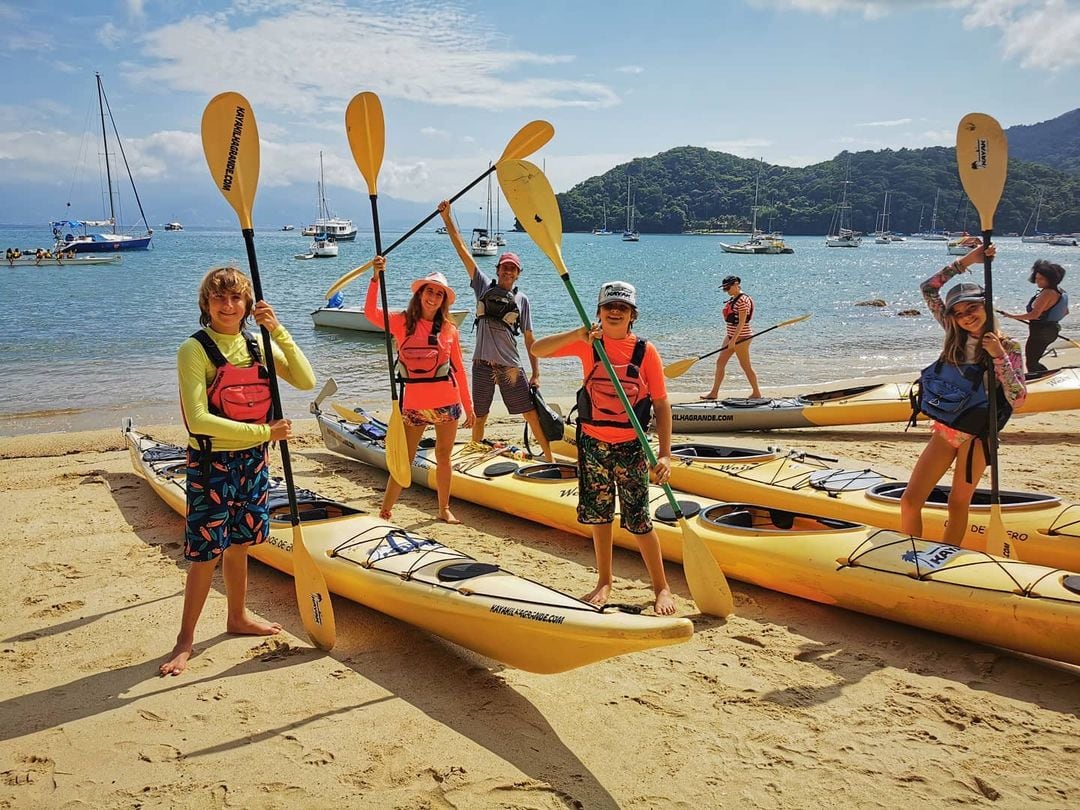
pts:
pixel 386 514
pixel 248 626
pixel 178 659
pixel 707 396
pixel 665 604
pixel 598 595
pixel 446 516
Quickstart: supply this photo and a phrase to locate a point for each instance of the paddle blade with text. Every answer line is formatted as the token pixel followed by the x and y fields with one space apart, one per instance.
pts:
pixel 231 145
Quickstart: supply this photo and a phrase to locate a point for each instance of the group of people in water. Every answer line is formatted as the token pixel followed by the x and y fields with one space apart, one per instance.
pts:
pixel 226 405
pixel 11 255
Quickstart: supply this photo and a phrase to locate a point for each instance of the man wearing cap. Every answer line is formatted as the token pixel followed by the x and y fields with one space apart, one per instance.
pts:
pixel 502 312
pixel 738 310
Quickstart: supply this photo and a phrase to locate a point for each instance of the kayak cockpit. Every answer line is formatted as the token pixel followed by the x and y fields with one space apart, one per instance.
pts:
pixel 697 451
pixel 891 492
pixel 558 471
pixel 741 517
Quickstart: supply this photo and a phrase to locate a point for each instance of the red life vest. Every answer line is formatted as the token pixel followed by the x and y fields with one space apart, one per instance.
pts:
pixel 598 402
pixel 422 360
pixel 731 315
pixel 241 394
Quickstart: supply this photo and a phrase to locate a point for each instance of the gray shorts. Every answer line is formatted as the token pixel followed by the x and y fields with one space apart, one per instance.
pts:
pixel 513 387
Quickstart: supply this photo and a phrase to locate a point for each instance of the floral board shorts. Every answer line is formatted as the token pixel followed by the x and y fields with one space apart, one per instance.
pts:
pixel 603 470
pixel 421 417
pixel 229 509
pixel 513 387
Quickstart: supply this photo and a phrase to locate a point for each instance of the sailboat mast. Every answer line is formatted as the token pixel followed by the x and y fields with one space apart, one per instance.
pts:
pixel 324 213
pixel 105 144
pixel 123 155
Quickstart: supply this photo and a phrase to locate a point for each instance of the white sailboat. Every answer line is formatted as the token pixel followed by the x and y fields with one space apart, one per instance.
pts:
pixel 342 230
pixel 630 234
pixel 602 231
pixel 500 238
pixel 1036 237
pixel 839 234
pixel 65 230
pixel 483 243
pixel 884 235
pixel 934 235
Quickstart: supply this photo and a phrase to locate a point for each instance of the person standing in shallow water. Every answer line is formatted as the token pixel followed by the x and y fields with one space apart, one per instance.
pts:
pixel 1044 312
pixel 503 312
pixel 738 311
pixel 610 458
pixel 228 480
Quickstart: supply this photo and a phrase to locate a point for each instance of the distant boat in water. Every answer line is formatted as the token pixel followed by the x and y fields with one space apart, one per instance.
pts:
pixel 342 230
pixel 841 235
pixel 287 228
pixel 173 226
pixel 76 235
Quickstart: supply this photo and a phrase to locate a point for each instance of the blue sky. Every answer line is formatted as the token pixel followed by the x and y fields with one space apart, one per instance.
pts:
pixel 793 81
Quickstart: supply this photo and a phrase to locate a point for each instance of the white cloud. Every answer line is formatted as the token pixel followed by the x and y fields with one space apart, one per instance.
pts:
pixel 1042 34
pixel 428 54
pixel 896 122
pixel 110 36
pixel 434 132
pixel 869 10
pixel 633 69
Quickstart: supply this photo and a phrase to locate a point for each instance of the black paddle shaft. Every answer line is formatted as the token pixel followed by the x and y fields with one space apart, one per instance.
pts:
pixel 382 293
pixel 275 394
pixel 991 377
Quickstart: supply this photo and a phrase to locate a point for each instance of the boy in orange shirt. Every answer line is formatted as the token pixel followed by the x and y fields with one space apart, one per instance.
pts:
pixel 610 457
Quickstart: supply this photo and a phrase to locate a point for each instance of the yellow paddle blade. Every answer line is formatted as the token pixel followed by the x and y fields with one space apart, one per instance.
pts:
pixel 348 414
pixel 397 448
pixel 348 278
pixel 708 585
pixel 312 596
pixel 679 367
pixel 533 201
pixel 231 145
pixel 800 319
pixel 997 539
pixel 982 156
pixel 367 136
pixel 527 140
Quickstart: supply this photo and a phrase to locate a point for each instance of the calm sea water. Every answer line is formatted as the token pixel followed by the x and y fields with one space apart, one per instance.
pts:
pixel 82 346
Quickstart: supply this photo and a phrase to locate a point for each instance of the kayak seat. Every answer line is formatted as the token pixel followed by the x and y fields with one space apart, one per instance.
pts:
pixel 836 523
pixel 456 572
pixel 740 518
pixel 313 514
pixel 666 514
pixel 782 519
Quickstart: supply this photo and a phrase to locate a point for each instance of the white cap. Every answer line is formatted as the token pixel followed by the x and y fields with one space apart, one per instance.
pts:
pixel 617 291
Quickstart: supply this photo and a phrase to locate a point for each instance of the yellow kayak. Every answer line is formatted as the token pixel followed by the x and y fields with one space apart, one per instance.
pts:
pixel 416 579
pixel 1019 605
pixel 1056 390
pixel 1042 528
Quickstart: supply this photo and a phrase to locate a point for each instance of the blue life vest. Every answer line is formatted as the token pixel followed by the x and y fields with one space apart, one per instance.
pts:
pixel 955 395
pixel 1056 312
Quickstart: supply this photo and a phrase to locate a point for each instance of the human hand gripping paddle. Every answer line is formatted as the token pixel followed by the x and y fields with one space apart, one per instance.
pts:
pixel 231 145
pixel 367 139
pixel 982 157
pixel 528 139
pixel 680 367
pixel 533 202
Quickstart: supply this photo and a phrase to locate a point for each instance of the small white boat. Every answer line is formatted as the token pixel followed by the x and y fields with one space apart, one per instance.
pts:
pixel 963 245
pixel 1063 241
pixel 342 230
pixel 842 236
pixel 354 318
pixel 845 238
pixel 173 226
pixel 630 234
pixel 441 230
pixel 287 228
pixel 31 260
pixel 482 244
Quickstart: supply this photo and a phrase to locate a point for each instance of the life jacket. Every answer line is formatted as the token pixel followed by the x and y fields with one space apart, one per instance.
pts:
pixel 1056 312
pixel 955 395
pixel 422 360
pixel 241 394
pixel 499 305
pixel 598 402
pixel 731 315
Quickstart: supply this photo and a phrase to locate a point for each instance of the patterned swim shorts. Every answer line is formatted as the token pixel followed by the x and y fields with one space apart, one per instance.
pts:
pixel 603 470
pixel 513 387
pixel 419 417
pixel 230 509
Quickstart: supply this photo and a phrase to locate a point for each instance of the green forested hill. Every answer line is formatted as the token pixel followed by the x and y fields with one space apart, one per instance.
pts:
pixel 1054 143
pixel 690 188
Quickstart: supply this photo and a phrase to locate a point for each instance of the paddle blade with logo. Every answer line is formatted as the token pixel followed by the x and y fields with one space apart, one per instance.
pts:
pixel 231 145
pixel 533 202
pixel 982 157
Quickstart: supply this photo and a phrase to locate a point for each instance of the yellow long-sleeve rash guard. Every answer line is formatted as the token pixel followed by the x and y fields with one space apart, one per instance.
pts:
pixel 196 372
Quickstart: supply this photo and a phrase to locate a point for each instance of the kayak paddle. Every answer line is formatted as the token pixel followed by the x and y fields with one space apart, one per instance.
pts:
pixel 982 157
pixel 526 141
pixel 533 201
pixel 680 367
pixel 367 138
pixel 231 145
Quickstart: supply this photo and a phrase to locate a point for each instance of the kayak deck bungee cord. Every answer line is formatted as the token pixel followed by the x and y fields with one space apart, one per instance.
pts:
pixel 962 592
pixel 1045 530
pixel 420 581
pixel 1056 390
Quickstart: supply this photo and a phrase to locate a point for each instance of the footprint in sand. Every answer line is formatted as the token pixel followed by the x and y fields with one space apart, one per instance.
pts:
pixel 57 609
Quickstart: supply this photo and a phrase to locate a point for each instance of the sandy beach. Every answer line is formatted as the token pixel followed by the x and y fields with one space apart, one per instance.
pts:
pixel 788 704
